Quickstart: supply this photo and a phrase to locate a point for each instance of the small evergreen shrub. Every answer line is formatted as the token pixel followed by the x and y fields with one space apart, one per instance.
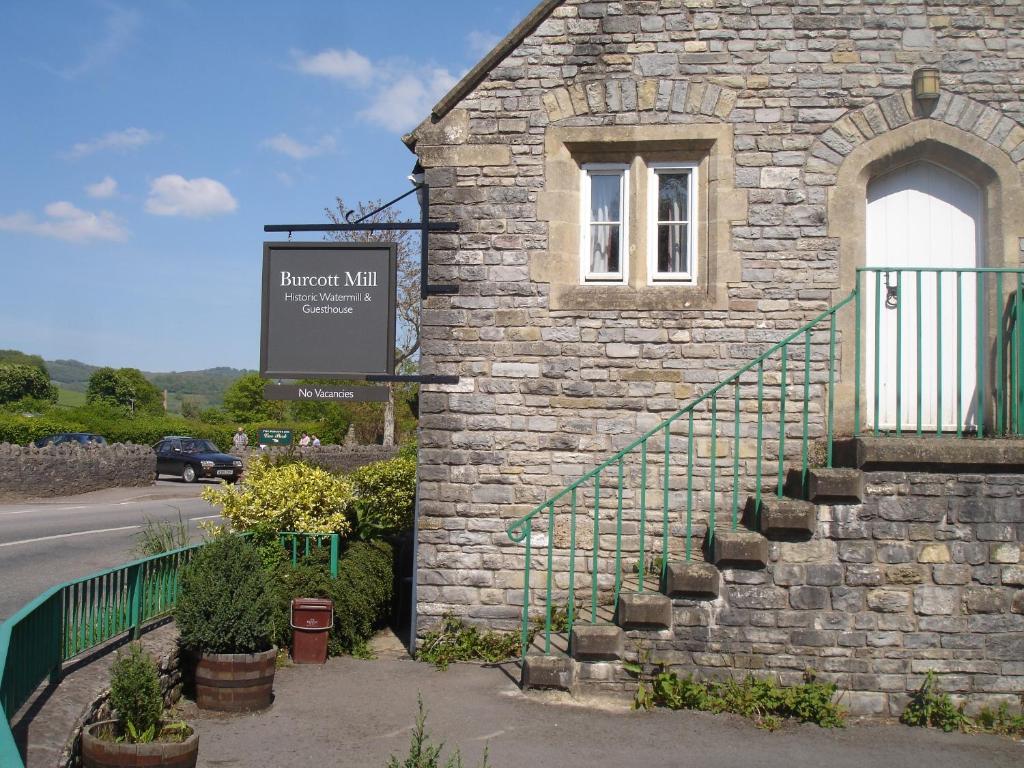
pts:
pixel 226 604
pixel 289 497
pixel 423 754
pixel 383 494
pixel 362 593
pixel 135 694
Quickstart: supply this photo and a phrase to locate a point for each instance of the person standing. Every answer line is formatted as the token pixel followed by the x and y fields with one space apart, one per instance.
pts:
pixel 316 441
pixel 304 440
pixel 240 440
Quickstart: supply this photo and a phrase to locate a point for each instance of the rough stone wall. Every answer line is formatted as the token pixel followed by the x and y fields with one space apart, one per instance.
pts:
pixel 926 574
pixel 63 470
pixel 548 394
pixel 333 458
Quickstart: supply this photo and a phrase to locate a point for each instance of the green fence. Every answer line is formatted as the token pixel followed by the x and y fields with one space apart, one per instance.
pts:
pixel 76 616
pixel 930 356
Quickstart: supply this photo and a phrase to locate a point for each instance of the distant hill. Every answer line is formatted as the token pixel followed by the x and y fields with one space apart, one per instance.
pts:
pixel 205 388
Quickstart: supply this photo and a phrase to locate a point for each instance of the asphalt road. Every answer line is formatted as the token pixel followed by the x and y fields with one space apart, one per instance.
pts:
pixel 46 542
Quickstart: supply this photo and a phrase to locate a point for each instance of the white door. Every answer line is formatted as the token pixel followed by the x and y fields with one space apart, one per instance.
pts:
pixel 922 216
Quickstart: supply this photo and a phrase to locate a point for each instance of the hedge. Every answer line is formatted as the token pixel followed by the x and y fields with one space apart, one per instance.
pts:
pixel 141 430
pixel 362 593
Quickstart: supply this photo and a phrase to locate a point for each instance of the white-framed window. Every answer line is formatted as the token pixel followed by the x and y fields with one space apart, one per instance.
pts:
pixel 671 222
pixel 604 217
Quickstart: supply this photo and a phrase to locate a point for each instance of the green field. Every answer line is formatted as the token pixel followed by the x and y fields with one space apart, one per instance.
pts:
pixel 70 397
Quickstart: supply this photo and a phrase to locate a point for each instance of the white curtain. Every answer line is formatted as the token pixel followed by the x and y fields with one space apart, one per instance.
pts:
pixel 606 208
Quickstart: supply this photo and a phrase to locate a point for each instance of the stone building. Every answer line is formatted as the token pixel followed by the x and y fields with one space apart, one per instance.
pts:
pixel 684 224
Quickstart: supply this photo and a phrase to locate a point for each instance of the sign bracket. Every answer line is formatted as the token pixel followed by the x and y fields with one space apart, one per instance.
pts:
pixel 425 227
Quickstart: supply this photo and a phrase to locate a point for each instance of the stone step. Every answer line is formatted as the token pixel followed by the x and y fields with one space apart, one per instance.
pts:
pixel 548 671
pixel 644 610
pixel 739 549
pixel 597 642
pixel 786 518
pixel 827 485
pixel 931 453
pixel 693 579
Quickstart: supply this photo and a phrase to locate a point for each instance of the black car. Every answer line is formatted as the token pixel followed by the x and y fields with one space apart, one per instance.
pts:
pixel 192 457
pixel 82 438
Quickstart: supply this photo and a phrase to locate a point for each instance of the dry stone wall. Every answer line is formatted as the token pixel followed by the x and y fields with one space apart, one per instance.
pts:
pixel 548 393
pixel 63 470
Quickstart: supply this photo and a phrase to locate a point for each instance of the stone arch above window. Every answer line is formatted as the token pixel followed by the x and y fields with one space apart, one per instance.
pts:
pixel 879 118
pixel 615 95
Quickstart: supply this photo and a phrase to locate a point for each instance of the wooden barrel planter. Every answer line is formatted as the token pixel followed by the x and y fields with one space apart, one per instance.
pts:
pixel 103 753
pixel 235 682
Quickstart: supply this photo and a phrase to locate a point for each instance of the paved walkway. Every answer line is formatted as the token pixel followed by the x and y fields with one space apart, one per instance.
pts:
pixel 358 713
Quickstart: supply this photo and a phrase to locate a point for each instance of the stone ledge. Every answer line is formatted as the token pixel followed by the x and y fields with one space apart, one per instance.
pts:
pixel 788 517
pixel 692 579
pixel 931 454
pixel 648 610
pixel 740 549
pixel 597 642
pixel 548 672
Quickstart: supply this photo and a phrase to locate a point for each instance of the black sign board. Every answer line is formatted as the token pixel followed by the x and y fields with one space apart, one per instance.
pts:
pixel 328 310
pixel 327 393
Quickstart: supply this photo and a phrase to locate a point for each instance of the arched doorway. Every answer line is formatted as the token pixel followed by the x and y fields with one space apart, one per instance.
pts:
pixel 924 223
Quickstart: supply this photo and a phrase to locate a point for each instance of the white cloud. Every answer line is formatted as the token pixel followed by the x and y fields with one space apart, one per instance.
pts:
pixel 295 149
pixel 347 65
pixel 407 98
pixel 174 195
pixel 66 222
pixel 119 141
pixel 105 188
pixel 481 43
pixel 119 31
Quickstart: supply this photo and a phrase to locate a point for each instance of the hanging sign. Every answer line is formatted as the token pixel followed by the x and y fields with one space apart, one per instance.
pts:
pixel 328 310
pixel 329 393
pixel 274 437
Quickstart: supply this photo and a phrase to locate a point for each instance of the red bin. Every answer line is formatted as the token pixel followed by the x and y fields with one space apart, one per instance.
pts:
pixel 312 619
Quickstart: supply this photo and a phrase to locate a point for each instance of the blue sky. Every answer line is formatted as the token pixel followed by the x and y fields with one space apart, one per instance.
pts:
pixel 145 145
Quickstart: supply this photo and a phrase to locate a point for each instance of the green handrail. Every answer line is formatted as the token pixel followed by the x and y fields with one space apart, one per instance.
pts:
pixel 998 359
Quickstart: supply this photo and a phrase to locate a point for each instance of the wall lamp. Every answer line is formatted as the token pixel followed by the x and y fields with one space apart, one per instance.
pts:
pixel 926 84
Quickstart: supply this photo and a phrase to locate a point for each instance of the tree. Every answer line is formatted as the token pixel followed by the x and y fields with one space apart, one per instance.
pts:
pixel 20 382
pixel 407 332
pixel 124 388
pixel 15 357
pixel 245 402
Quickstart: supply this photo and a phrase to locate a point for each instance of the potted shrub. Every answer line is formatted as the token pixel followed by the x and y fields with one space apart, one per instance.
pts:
pixel 138 735
pixel 224 616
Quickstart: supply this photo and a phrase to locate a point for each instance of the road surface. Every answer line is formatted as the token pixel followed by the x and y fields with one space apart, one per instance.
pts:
pixel 47 542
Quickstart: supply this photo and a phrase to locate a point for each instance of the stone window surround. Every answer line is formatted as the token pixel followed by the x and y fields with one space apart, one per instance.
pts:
pixel 568 148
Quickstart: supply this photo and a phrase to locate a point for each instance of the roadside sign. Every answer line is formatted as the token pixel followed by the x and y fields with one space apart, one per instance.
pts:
pixel 274 437
pixel 328 310
pixel 322 392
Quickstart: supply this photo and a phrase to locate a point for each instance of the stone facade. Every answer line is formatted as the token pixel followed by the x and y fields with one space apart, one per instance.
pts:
pixel 789 107
pixel 63 470
pixel 926 574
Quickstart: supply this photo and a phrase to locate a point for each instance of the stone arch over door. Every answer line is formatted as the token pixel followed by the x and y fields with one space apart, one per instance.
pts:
pixel 987 165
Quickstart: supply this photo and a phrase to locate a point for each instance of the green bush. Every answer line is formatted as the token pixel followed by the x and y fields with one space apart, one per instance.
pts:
pixel 362 593
pixel 18 382
pixel 135 694
pixel 936 709
pixel 287 497
pixel 384 493
pixel 454 641
pixel 226 604
pixel 763 700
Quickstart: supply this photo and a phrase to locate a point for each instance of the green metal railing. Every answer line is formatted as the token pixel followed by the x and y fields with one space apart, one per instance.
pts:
pixel 306 543
pixel 72 618
pixel 778 407
pixel 941 351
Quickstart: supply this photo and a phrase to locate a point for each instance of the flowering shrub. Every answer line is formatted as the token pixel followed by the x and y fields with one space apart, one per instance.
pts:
pixel 383 497
pixel 290 497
